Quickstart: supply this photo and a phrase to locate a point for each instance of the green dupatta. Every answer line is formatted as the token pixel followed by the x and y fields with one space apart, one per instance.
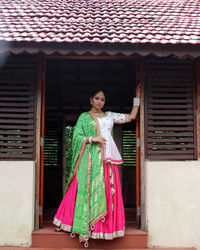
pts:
pixel 88 165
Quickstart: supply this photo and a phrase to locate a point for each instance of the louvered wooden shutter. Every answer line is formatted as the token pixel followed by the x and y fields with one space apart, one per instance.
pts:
pixel 18 79
pixel 129 147
pixel 52 141
pixel 68 150
pixel 169 110
pixel 51 147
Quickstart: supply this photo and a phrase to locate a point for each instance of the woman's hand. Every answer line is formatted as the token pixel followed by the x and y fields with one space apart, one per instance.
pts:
pixel 138 90
pixel 99 139
pixel 136 103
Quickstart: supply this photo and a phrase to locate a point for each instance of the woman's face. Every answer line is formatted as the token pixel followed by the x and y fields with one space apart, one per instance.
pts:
pixel 98 101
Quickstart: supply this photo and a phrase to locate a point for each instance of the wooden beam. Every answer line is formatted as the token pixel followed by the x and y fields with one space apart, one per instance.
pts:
pixel 91 57
pixel 198 107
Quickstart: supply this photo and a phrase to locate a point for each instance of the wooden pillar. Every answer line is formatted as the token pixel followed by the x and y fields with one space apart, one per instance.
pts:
pixel 198 107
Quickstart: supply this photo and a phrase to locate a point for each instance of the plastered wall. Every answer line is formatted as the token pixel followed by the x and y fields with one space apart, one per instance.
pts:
pixel 17 202
pixel 172 203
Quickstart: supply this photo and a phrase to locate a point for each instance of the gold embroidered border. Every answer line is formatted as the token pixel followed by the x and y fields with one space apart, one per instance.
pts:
pixel 78 160
pixel 88 182
pixel 92 235
pixel 61 225
pixel 99 217
pixel 64 227
pixel 106 236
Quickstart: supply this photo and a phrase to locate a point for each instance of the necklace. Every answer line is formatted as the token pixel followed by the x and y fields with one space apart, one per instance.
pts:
pixel 99 114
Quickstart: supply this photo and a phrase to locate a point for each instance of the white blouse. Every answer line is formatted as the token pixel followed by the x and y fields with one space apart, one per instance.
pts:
pixel 110 151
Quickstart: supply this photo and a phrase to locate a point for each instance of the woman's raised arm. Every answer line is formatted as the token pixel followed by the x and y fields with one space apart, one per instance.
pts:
pixel 136 103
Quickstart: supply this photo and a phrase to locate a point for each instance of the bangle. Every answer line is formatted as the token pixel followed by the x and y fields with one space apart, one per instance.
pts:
pixel 136 101
pixel 128 119
pixel 90 139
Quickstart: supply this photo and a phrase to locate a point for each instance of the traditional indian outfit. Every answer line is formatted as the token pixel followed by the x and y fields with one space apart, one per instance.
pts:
pixel 92 206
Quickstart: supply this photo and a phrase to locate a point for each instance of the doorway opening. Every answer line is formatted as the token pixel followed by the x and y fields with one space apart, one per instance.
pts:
pixel 67 95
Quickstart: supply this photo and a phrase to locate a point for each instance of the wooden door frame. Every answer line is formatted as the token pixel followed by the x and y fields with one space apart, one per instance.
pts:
pixel 39 146
pixel 141 202
pixel 40 109
pixel 197 87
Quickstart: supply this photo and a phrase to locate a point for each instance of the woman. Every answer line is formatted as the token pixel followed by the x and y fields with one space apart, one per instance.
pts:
pixel 92 206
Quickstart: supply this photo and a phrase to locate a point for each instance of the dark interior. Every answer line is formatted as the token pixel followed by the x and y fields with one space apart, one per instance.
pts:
pixel 68 87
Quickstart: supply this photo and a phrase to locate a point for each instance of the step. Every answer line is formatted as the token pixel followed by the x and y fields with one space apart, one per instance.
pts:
pixel 39 248
pixel 48 238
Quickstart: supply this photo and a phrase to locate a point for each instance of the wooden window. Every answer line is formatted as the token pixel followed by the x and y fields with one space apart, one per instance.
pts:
pixel 169 110
pixel 18 78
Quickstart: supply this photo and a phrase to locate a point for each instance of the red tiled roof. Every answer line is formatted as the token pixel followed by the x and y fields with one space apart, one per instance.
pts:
pixel 102 21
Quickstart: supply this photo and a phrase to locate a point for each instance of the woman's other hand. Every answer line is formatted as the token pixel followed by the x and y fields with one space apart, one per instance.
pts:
pixel 138 91
pixel 99 139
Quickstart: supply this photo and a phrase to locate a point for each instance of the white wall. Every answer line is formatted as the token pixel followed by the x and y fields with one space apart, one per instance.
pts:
pixel 16 202
pixel 173 203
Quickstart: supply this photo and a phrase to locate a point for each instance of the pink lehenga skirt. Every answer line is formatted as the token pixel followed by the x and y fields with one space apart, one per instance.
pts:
pixel 114 224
